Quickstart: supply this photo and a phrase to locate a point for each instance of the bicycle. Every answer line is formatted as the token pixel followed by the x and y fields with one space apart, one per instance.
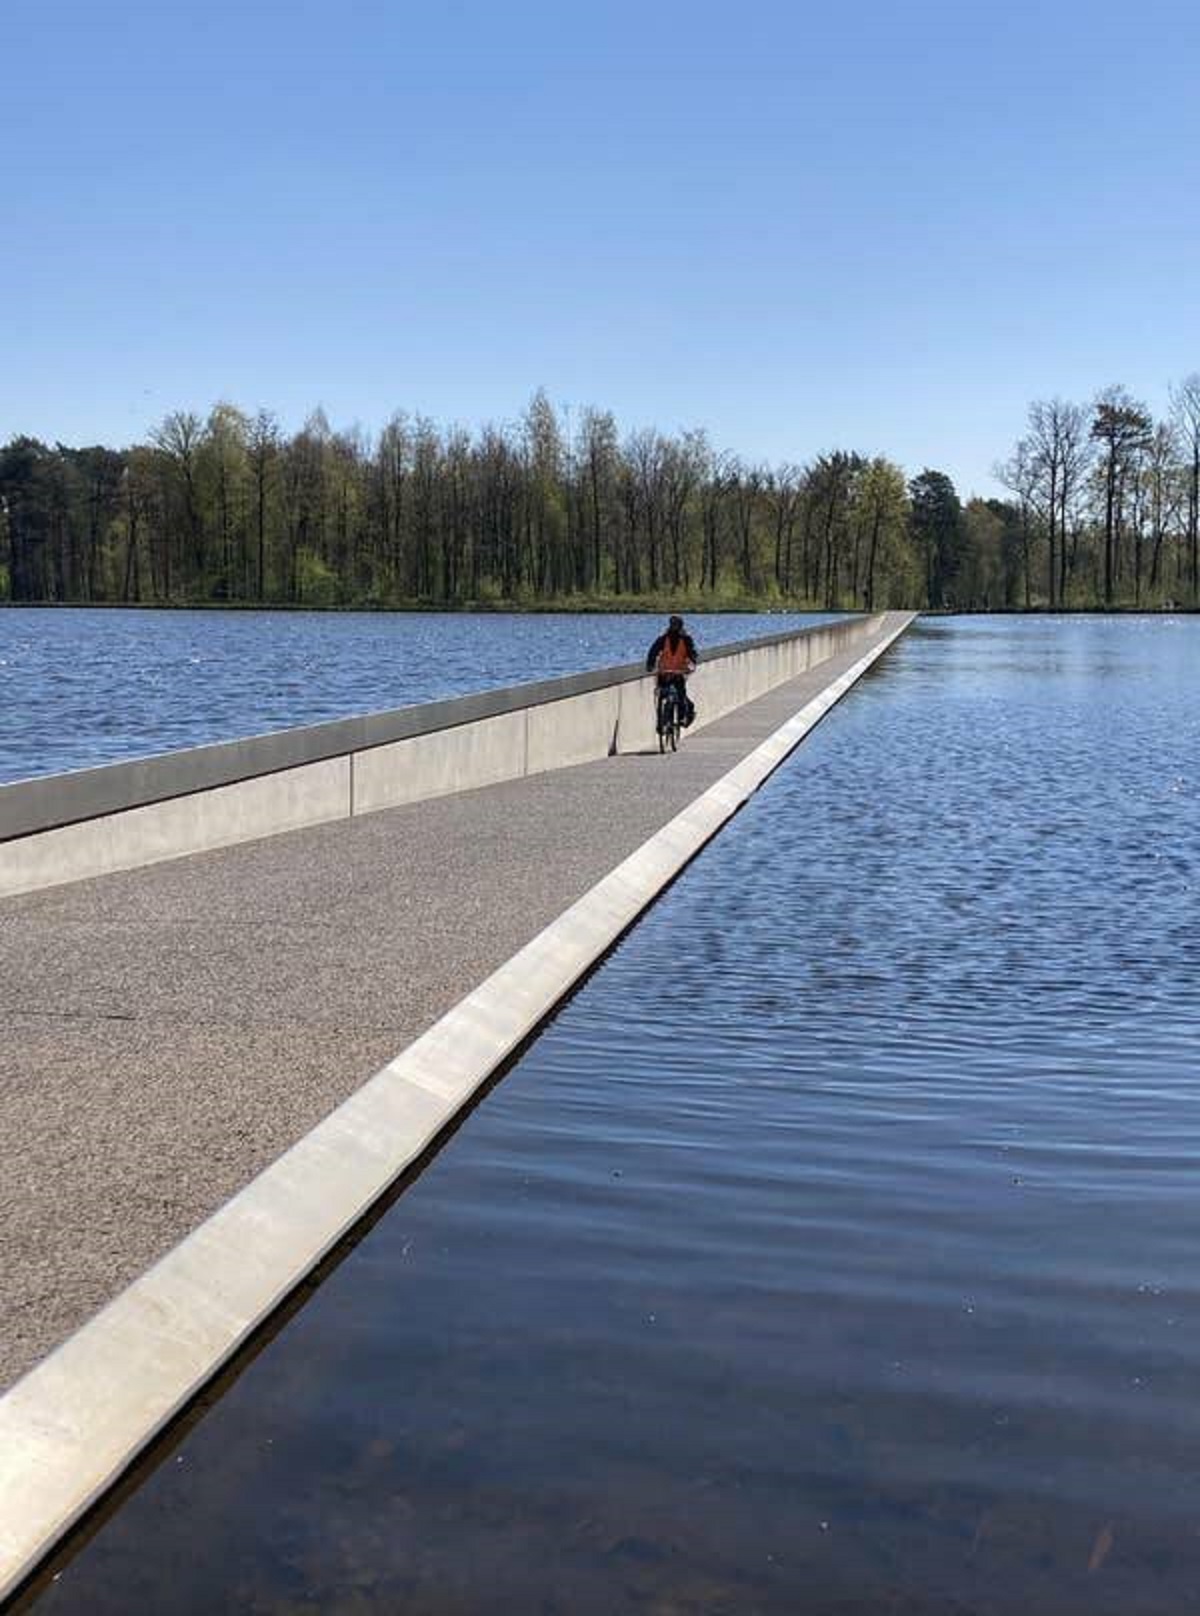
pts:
pixel 668 717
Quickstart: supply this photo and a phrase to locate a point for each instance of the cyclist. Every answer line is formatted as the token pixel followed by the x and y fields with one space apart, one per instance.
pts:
pixel 673 657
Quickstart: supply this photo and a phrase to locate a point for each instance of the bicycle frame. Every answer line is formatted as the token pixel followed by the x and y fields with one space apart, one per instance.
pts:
pixel 668 713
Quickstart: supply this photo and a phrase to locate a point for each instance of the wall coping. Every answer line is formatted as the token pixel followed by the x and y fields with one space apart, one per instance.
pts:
pixel 48 802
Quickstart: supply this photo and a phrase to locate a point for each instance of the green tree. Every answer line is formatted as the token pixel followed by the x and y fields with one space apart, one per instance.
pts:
pixel 883 502
pixel 223 470
pixel 26 482
pixel 938 533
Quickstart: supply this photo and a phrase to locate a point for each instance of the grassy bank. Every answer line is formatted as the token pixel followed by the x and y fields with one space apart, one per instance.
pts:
pixel 683 603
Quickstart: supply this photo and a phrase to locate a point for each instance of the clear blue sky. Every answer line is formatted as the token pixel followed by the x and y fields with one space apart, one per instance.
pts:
pixel 861 225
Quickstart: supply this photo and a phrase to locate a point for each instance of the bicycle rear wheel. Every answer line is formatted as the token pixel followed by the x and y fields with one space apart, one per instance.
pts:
pixel 668 720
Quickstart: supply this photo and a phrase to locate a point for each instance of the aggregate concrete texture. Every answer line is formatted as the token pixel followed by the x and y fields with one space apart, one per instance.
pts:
pixel 168 1031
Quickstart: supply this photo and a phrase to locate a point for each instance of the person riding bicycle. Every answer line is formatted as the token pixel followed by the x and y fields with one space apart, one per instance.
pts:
pixel 672 657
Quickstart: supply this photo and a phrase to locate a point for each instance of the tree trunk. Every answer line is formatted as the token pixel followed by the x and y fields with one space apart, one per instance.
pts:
pixel 869 593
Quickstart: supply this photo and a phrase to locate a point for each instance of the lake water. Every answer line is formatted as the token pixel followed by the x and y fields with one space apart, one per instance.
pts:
pixel 835 1248
pixel 83 686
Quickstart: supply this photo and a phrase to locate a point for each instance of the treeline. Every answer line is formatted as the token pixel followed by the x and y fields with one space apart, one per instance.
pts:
pixel 1104 510
pixel 1106 501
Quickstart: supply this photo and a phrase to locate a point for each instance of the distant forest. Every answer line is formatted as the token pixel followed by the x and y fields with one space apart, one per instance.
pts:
pixel 1102 509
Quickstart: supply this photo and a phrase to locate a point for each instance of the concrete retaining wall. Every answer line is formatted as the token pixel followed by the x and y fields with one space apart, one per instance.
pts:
pixel 95 821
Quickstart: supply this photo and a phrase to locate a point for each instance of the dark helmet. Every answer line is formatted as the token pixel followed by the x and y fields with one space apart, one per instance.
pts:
pixel 676 624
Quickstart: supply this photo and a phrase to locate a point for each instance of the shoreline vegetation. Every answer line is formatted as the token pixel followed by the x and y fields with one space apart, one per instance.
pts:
pixel 559 511
pixel 574 606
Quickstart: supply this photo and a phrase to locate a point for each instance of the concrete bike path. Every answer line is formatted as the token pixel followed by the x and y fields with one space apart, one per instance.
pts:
pixel 165 1033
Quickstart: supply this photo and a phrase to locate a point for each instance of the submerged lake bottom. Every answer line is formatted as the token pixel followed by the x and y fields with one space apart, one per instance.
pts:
pixel 832 1251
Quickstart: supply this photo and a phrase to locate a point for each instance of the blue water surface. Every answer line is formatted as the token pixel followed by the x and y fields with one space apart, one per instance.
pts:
pixel 83 686
pixel 833 1252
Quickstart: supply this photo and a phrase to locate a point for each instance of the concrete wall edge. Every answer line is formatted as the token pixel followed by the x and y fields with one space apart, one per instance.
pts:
pixel 28 807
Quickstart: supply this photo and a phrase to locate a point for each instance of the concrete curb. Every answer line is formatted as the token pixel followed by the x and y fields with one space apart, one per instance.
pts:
pixel 74 1424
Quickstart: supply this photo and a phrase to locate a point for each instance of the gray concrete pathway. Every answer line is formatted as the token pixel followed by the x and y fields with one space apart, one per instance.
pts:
pixel 167 1032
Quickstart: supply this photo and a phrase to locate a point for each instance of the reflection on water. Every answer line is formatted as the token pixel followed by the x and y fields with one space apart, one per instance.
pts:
pixel 835 1249
pixel 85 686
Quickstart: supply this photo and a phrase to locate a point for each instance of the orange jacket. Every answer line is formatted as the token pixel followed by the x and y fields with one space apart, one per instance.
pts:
pixel 677 658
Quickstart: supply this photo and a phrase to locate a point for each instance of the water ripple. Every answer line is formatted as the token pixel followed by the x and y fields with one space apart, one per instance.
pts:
pixel 833 1251
pixel 82 686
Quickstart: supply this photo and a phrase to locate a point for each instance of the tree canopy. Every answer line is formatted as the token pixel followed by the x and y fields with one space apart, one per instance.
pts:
pixel 1104 508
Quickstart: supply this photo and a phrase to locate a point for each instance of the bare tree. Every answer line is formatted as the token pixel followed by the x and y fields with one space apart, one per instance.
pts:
pixel 262 443
pixel 1020 474
pixel 782 489
pixel 1165 495
pixel 1055 430
pixel 597 455
pixel 683 465
pixel 1185 406
pixel 1075 445
pixel 1123 427
pixel 744 485
pixel 178 438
